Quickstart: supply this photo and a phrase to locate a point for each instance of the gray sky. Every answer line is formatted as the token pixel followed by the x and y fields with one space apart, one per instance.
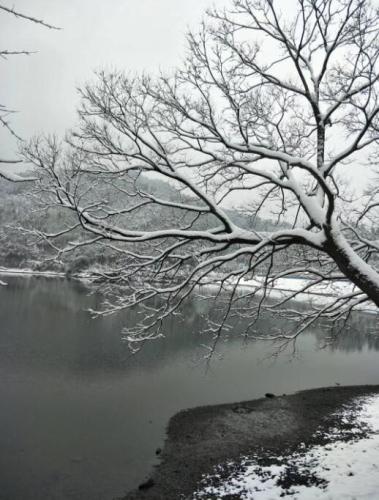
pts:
pixel 132 35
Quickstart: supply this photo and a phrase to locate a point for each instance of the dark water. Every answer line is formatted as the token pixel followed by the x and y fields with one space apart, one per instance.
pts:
pixel 81 419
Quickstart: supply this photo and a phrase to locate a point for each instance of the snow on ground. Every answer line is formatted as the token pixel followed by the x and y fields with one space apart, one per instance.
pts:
pixel 281 288
pixel 339 470
pixel 8 271
pixel 316 294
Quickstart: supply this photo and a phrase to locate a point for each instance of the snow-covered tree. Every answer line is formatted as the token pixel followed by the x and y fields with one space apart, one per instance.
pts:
pixel 273 107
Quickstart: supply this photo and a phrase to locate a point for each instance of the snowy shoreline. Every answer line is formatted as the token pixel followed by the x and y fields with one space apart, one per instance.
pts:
pixel 10 271
pixel 280 289
pixel 318 295
pixel 344 467
pixel 314 444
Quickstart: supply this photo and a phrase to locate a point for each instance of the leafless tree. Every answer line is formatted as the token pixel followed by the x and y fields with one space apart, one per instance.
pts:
pixel 4 110
pixel 270 106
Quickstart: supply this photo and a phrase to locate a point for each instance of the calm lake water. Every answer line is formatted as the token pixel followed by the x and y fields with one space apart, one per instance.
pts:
pixel 80 418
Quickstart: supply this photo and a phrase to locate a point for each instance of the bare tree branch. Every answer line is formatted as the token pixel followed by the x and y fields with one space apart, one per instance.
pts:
pixel 4 111
pixel 20 15
pixel 267 104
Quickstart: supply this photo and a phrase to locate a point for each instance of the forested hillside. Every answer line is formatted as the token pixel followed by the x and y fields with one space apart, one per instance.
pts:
pixel 24 220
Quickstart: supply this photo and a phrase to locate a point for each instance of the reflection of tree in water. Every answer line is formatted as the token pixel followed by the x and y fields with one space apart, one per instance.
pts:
pixel 47 326
pixel 46 293
pixel 360 333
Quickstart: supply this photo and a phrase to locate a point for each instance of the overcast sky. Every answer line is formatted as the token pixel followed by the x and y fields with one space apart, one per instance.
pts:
pixel 132 35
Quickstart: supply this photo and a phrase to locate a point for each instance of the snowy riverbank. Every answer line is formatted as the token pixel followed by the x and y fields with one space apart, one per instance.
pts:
pixel 27 272
pixel 315 295
pixel 15 271
pixel 341 469
pixel 315 444
pixel 280 289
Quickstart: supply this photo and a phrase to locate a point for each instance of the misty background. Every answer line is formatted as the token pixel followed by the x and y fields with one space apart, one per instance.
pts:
pixel 130 35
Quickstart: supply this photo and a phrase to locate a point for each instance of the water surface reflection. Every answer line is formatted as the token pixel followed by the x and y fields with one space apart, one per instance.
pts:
pixel 81 418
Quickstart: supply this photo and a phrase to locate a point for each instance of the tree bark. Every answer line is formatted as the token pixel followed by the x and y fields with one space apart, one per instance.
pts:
pixel 352 265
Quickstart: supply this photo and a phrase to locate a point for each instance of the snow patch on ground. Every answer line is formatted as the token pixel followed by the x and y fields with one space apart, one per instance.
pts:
pixel 281 288
pixel 340 469
pixel 317 294
pixel 10 271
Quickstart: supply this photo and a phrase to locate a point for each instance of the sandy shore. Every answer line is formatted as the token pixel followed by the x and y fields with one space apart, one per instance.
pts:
pixel 201 438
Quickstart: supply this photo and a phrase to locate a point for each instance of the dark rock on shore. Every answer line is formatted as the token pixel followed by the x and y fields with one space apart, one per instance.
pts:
pixel 269 395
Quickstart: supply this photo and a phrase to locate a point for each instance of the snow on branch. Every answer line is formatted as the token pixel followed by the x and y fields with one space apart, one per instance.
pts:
pixel 4 111
pixel 20 15
pixel 221 180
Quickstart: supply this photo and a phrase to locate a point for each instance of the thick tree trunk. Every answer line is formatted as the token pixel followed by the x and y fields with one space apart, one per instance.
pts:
pixel 353 266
